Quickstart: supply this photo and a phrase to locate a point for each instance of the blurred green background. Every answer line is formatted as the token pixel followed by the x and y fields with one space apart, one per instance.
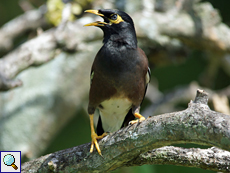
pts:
pixel 77 132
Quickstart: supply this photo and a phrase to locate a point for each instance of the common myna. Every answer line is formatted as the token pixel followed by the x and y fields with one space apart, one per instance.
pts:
pixel 119 75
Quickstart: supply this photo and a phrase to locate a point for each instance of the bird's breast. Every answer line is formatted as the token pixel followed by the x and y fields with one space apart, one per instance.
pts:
pixel 115 63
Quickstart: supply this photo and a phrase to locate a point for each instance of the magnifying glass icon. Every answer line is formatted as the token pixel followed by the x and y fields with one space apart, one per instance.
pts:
pixel 9 160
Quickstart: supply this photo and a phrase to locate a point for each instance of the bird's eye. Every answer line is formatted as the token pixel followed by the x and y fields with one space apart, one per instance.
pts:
pixel 114 17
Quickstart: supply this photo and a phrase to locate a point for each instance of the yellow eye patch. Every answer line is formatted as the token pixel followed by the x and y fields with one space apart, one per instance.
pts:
pixel 115 18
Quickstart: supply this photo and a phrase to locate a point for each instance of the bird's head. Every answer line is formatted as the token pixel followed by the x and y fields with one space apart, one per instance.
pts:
pixel 117 26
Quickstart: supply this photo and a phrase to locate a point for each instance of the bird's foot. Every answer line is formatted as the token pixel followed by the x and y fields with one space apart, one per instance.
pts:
pixel 94 137
pixel 140 119
pixel 136 121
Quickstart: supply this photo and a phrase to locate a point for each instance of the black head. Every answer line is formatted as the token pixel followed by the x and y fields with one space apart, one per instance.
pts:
pixel 117 26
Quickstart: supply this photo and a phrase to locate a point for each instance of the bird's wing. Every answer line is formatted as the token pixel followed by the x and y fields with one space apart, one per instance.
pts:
pixel 129 117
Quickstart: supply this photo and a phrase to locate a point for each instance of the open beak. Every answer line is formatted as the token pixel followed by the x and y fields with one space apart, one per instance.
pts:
pixel 97 23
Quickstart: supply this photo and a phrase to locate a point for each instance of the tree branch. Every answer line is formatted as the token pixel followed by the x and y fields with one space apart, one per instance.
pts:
pixel 197 124
pixel 30 20
pixel 42 49
pixel 213 158
pixel 181 94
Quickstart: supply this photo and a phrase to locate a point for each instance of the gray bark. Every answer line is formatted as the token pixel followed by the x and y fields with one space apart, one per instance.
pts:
pixel 213 158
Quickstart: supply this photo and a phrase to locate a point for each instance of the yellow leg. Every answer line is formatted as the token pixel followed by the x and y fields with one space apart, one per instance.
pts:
pixel 140 118
pixel 94 136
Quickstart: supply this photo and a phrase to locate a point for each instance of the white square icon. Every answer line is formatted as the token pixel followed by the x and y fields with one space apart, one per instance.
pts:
pixel 10 161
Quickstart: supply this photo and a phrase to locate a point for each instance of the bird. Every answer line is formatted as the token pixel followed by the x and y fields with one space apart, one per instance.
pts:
pixel 119 76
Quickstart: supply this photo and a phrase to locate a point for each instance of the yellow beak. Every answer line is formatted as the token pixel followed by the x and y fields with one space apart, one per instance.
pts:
pixel 94 12
pixel 97 23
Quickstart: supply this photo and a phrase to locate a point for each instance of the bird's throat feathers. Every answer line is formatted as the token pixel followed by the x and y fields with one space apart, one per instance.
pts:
pixel 121 37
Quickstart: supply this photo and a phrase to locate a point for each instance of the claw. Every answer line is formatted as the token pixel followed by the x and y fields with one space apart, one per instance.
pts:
pixel 94 137
pixel 140 119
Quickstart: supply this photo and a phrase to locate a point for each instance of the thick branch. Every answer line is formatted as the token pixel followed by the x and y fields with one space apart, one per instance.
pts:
pixel 213 158
pixel 197 124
